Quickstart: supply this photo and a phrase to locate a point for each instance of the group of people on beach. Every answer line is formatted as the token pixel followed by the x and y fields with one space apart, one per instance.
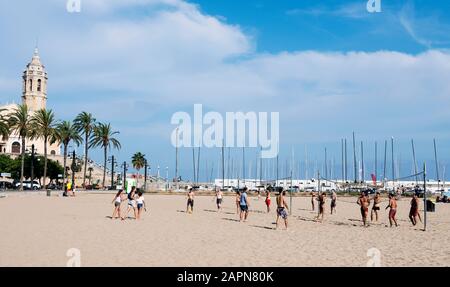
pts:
pixel 136 202
pixel 364 202
pixel 243 205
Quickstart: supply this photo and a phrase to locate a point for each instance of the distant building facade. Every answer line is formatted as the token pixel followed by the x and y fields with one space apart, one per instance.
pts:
pixel 34 95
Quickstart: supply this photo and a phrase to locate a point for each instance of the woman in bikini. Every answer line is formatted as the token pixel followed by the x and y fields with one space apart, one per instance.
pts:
pixel 268 200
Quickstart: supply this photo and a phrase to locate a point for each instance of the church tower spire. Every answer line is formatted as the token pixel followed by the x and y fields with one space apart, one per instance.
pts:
pixel 35 78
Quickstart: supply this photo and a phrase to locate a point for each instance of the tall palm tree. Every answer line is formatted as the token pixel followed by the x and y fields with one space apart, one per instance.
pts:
pixel 138 162
pixel 4 126
pixel 43 126
pixel 65 133
pixel 103 136
pixel 85 123
pixel 20 122
pixel 90 169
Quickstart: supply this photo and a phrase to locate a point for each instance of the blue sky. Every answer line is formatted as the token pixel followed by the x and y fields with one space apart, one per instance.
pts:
pixel 328 67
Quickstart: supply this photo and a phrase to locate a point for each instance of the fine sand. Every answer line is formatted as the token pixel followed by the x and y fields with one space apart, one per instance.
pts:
pixel 37 230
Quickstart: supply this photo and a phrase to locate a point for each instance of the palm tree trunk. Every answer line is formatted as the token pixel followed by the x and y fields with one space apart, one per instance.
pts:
pixel 64 163
pixel 104 165
pixel 45 163
pixel 22 164
pixel 86 142
pixel 137 178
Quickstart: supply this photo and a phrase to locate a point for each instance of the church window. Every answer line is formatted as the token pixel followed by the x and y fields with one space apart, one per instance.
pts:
pixel 15 147
pixel 53 152
pixel 39 85
pixel 31 85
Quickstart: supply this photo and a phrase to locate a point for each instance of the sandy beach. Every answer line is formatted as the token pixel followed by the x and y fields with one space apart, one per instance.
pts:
pixel 38 231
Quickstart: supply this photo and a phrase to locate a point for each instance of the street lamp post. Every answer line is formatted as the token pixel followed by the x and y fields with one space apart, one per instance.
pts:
pixel 124 178
pixel 167 178
pixel 113 164
pixel 32 164
pixel 145 174
pixel 73 170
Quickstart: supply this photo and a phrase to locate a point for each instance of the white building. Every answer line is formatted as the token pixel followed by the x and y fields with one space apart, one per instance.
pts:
pixel 34 95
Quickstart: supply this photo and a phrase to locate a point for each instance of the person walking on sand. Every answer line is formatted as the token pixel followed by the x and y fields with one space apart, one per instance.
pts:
pixel 244 205
pixel 364 203
pixel 132 202
pixel 333 202
pixel 140 204
pixel 190 201
pixel 414 210
pixel 117 202
pixel 268 200
pixel 322 199
pixel 282 209
pixel 375 206
pixel 219 198
pixel 313 200
pixel 393 209
pixel 238 202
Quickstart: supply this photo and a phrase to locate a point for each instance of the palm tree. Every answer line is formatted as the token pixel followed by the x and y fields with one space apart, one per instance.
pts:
pixel 66 132
pixel 138 162
pixel 43 126
pixel 85 124
pixel 90 169
pixel 4 126
pixel 103 136
pixel 20 122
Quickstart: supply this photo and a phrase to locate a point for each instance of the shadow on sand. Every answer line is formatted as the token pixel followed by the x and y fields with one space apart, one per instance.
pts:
pixel 231 219
pixel 263 227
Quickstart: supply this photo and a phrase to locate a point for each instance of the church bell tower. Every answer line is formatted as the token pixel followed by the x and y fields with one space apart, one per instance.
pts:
pixel 34 93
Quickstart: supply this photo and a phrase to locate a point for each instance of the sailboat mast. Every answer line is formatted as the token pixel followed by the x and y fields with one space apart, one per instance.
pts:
pixel 414 159
pixel 355 171
pixel 436 161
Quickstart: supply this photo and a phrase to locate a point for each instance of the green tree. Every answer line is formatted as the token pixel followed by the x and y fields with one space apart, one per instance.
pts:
pixel 20 122
pixel 85 124
pixel 43 125
pixel 4 126
pixel 65 133
pixel 138 161
pixel 103 137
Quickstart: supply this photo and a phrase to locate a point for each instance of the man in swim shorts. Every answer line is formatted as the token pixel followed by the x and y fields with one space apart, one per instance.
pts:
pixel 244 205
pixel 364 202
pixel 375 206
pixel 393 209
pixel 219 198
pixel 282 208
pixel 190 201
pixel 322 199
pixel 414 210
pixel 333 202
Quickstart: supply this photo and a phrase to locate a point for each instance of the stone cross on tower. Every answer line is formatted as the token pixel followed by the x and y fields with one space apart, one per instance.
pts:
pixel 34 93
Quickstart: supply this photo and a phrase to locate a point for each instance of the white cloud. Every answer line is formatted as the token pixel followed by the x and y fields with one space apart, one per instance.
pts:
pixel 167 60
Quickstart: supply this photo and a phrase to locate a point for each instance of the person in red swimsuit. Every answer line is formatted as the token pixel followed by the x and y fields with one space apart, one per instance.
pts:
pixel 268 199
pixel 393 209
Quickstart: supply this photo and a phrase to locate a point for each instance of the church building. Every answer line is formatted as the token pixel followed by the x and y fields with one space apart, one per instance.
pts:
pixel 34 95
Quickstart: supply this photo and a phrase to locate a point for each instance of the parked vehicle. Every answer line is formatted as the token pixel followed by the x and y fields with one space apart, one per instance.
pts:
pixel 28 186
pixel 54 186
pixel 6 185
